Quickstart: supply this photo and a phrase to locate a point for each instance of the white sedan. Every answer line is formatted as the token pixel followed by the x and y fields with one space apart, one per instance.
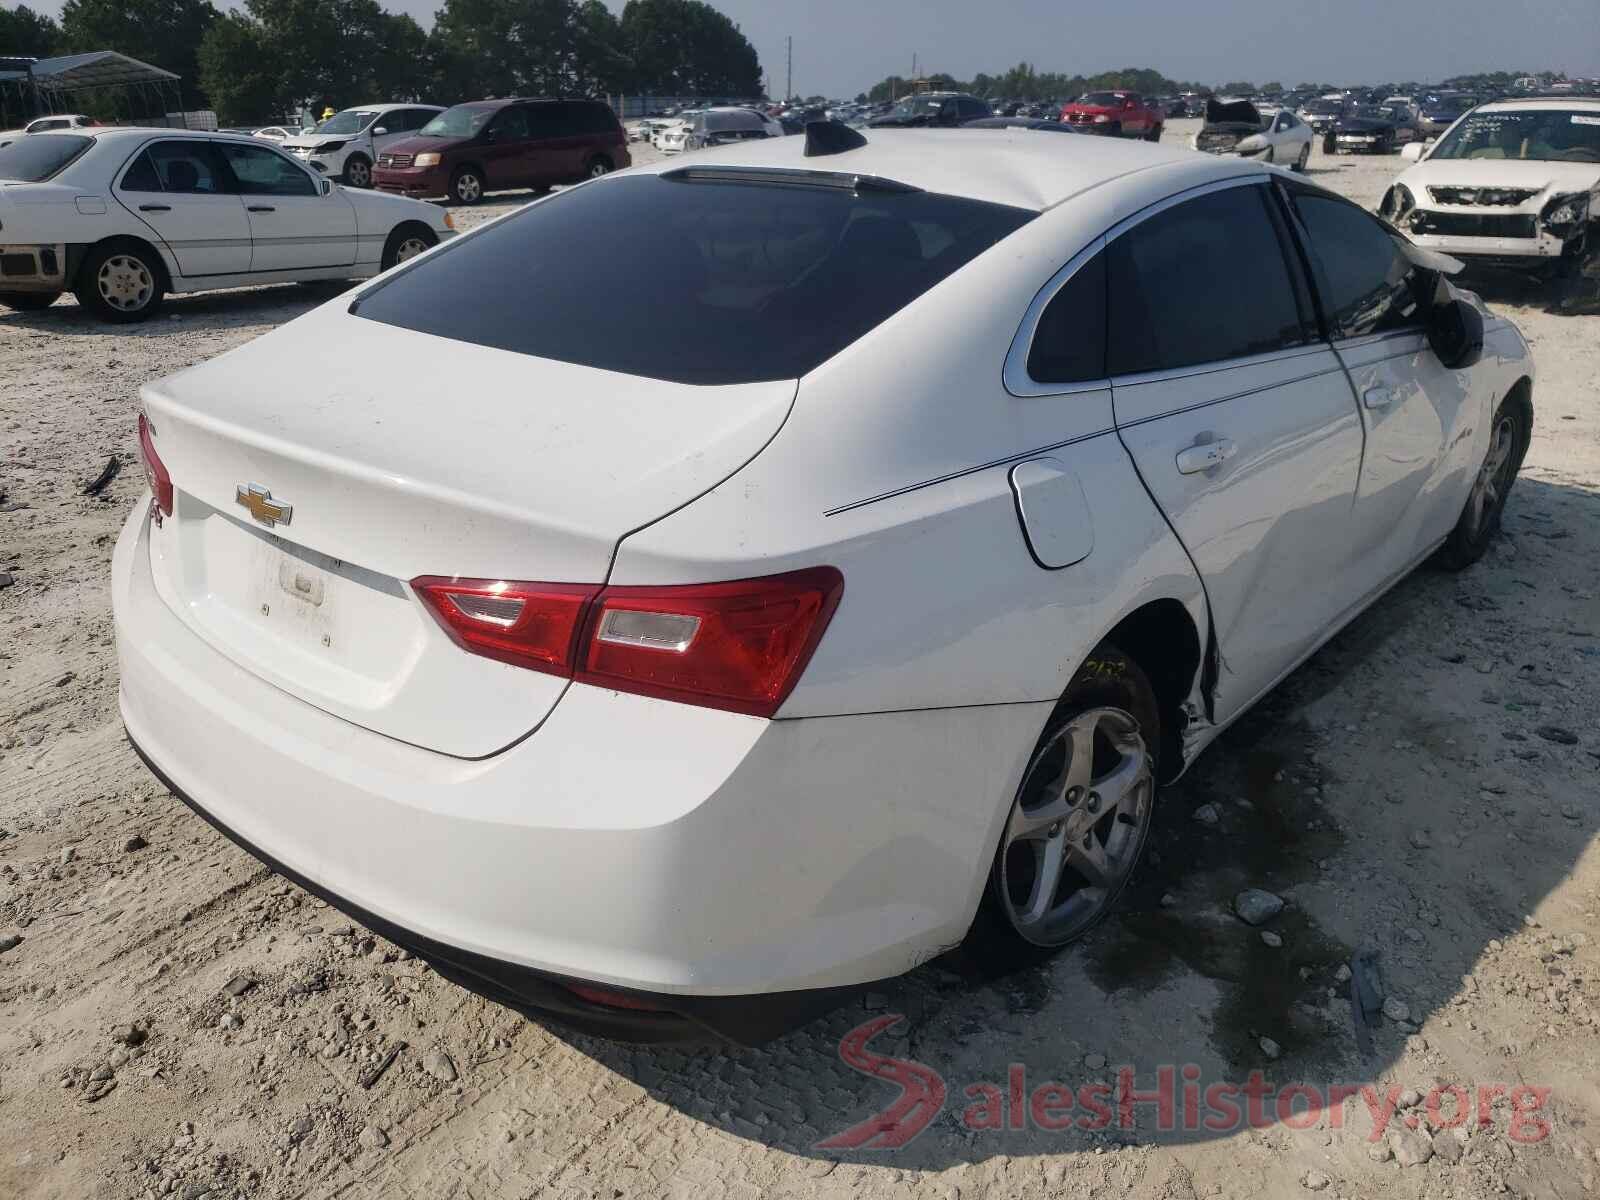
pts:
pixel 761 608
pixel 121 217
pixel 1270 135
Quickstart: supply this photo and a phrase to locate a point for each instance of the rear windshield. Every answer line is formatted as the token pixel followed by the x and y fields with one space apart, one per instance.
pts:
pixel 695 282
pixel 34 157
pixel 1102 99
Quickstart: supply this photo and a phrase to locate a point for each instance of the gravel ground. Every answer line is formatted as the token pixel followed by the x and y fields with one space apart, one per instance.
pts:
pixel 176 1020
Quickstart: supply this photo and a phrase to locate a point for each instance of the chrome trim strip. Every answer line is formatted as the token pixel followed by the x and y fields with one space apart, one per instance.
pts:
pixel 1009 460
pixel 1337 369
pixel 1014 375
pixel 1226 364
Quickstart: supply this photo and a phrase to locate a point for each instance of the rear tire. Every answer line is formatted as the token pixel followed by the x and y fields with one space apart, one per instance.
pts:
pixel 1154 135
pixel 29 301
pixel 121 282
pixel 597 166
pixel 1079 818
pixel 1480 517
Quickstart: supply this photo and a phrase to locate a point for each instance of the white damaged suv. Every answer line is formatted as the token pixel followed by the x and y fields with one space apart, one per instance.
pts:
pixel 1512 185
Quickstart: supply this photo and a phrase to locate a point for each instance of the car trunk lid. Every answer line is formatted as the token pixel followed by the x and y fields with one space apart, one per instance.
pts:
pixel 400 454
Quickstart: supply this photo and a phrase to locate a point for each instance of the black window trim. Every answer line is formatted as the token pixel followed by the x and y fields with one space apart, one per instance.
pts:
pixel 1019 383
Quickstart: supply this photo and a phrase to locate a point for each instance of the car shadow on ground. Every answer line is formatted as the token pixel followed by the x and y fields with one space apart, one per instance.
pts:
pixel 1381 821
pixel 269 305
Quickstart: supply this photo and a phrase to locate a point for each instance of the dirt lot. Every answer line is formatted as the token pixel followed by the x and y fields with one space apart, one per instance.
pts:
pixel 176 1020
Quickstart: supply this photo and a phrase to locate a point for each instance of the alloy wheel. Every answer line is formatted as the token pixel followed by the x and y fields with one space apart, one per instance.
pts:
pixel 469 189
pixel 410 248
pixel 358 173
pixel 125 283
pixel 1077 826
pixel 598 168
pixel 1493 481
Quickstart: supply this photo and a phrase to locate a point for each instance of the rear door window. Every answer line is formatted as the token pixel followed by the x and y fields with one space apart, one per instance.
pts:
pixel 189 167
pixel 695 279
pixel 141 176
pixel 1204 281
pixel 511 125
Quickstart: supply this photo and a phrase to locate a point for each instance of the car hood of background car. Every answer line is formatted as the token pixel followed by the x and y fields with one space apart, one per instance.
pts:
pixel 1235 112
pixel 422 145
pixel 317 142
pixel 1503 172
pixel 1363 124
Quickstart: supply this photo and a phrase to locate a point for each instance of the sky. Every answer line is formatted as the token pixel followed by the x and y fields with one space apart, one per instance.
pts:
pixel 842 47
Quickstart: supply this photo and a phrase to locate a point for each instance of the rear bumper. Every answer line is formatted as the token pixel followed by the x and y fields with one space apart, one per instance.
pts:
pixel 698 857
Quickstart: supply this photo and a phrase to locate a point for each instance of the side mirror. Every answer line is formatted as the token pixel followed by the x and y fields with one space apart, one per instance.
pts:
pixel 1455 331
pixel 1412 151
pixel 491 135
pixel 379 131
pixel 325 186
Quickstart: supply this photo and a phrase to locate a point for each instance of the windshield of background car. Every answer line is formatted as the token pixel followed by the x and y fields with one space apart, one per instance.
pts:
pixel 37 156
pixel 717 122
pixel 1324 107
pixel 692 280
pixel 1550 135
pixel 350 121
pixel 464 120
pixel 1100 99
pixel 1372 112
pixel 916 106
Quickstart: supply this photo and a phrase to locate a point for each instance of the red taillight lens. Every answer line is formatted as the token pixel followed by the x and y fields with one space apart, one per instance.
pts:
pixel 532 625
pixel 155 472
pixel 610 999
pixel 739 646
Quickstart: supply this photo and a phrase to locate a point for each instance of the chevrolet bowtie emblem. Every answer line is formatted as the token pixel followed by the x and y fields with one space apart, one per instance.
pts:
pixel 261 504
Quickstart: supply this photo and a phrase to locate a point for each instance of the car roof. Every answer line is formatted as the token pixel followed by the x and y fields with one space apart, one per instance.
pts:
pixel 1542 102
pixel 1000 166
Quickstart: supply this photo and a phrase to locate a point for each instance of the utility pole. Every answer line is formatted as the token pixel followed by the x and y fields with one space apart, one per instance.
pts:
pixel 789 85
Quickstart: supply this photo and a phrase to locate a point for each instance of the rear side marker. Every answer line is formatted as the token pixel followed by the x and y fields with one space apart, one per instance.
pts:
pixel 740 645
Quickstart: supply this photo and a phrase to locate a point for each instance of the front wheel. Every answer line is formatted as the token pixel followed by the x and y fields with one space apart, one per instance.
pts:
pixel 357 172
pixel 120 283
pixel 466 186
pixel 29 301
pixel 406 243
pixel 598 165
pixel 1480 519
pixel 1154 135
pixel 1080 819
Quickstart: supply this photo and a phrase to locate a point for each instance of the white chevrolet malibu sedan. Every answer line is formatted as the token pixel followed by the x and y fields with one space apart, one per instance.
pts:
pixel 721 585
pixel 122 217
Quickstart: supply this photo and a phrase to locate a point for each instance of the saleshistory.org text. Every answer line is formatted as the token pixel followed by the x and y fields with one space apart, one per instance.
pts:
pixel 1175 1099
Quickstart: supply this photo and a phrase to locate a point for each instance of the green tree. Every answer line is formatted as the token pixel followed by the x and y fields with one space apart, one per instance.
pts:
pixel 486 48
pixel 280 54
pixel 27 33
pixel 687 48
pixel 163 33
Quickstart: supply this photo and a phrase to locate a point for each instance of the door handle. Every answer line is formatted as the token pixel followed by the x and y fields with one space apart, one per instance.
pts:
pixel 1378 397
pixel 1204 456
pixel 155 208
pixel 262 208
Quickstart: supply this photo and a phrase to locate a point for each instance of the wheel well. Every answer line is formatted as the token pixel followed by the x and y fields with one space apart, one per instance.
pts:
pixel 125 240
pixel 1160 636
pixel 602 156
pixel 469 166
pixel 1521 394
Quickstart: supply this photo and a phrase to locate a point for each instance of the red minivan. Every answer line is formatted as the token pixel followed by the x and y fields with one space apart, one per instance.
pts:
pixel 495 145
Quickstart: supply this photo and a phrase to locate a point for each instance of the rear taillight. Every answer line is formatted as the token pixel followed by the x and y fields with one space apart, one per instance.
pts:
pixel 739 646
pixel 155 471
pixel 534 625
